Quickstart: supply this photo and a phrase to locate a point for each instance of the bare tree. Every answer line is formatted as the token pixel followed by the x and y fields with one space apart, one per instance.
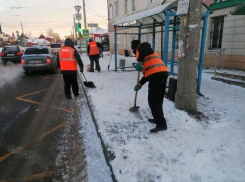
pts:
pixel 186 96
pixel 50 32
pixel 28 34
pixel 57 37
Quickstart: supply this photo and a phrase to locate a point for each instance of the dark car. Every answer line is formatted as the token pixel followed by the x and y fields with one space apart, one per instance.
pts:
pixel 12 54
pixel 39 58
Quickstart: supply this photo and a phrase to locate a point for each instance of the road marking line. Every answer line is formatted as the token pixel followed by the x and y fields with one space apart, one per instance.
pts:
pixel 19 149
pixel 34 176
pixel 36 92
pixel 53 78
pixel 39 176
pixel 39 103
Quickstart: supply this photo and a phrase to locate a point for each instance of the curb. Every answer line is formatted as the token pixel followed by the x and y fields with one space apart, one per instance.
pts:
pixel 97 131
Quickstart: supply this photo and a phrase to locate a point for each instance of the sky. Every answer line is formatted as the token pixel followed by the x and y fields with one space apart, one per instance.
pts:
pixel 37 16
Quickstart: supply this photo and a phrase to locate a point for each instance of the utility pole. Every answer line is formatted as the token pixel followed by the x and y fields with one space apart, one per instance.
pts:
pixel 84 15
pixel 189 55
pixel 23 34
pixel 75 27
pixel 85 21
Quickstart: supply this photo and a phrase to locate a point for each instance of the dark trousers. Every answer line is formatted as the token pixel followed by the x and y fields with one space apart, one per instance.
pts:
pixel 71 80
pixel 97 64
pixel 156 93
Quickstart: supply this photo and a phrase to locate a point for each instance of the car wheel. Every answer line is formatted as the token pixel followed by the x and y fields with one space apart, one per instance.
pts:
pixel 26 72
pixel 4 63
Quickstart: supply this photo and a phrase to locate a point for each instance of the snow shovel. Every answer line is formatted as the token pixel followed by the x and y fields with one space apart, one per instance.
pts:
pixel 109 63
pixel 135 108
pixel 88 84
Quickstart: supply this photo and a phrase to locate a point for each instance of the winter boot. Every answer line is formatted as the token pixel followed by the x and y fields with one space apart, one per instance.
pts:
pixel 68 97
pixel 157 129
pixel 152 121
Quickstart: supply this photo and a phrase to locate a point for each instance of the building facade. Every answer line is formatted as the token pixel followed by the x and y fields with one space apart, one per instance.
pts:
pixel 225 31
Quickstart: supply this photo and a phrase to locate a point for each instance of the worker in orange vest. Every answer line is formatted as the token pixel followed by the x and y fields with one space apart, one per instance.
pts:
pixel 68 58
pixel 93 50
pixel 156 72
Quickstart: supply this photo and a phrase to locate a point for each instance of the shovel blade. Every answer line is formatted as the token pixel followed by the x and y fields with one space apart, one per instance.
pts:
pixel 89 84
pixel 134 109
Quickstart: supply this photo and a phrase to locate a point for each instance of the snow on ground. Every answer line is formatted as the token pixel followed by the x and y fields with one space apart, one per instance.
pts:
pixel 234 72
pixel 97 169
pixel 207 148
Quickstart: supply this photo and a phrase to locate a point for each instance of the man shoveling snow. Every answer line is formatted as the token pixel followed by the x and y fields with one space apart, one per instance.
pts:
pixel 156 73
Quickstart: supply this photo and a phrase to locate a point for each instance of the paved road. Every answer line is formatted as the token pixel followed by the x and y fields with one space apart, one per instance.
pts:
pixel 39 131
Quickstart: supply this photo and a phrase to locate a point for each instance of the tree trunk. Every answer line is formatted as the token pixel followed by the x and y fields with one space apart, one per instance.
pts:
pixel 189 55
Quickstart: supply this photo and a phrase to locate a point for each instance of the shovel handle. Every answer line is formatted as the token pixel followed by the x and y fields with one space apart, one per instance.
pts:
pixel 136 93
pixel 85 77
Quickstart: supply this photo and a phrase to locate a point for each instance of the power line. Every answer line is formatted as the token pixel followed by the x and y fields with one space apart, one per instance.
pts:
pixel 10 3
pixel 16 3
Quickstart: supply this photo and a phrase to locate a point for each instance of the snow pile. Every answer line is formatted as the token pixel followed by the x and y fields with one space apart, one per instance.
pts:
pixel 203 148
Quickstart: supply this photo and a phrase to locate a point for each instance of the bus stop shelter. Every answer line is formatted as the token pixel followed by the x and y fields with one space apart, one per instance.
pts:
pixel 165 17
pixel 240 10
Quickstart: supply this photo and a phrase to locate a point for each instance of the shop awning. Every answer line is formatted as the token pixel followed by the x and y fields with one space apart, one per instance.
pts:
pixel 146 17
pixel 240 10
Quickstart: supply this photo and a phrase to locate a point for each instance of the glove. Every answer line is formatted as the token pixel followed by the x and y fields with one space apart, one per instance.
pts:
pixel 81 70
pixel 137 87
pixel 139 67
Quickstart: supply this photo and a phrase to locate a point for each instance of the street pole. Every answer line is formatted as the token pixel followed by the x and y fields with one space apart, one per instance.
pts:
pixel 75 27
pixel 80 37
pixel 186 96
pixel 85 21
pixel 23 34
pixel 91 29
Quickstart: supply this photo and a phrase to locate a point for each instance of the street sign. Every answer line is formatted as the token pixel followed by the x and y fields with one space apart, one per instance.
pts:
pixel 78 8
pixel 85 33
pixel 183 7
pixel 78 16
pixel 93 25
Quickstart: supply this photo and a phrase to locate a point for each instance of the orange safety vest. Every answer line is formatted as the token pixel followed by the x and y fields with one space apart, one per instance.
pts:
pixel 94 50
pixel 67 59
pixel 153 64
pixel 137 54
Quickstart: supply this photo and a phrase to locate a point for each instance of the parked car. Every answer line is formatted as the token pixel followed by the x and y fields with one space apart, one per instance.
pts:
pixel 39 58
pixel 55 47
pixel 12 54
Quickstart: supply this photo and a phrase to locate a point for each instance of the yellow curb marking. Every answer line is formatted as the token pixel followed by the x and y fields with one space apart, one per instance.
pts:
pixel 19 149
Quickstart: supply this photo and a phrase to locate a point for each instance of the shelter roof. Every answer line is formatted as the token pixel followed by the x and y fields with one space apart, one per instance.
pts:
pixel 146 17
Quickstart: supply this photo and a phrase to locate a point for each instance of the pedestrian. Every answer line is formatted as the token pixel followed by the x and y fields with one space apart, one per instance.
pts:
pixel 68 58
pixel 93 50
pixel 156 73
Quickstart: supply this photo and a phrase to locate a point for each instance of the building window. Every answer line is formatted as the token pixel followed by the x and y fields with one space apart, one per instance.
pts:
pixel 116 10
pixel 151 1
pixel 133 5
pixel 110 12
pixel 125 7
pixel 216 33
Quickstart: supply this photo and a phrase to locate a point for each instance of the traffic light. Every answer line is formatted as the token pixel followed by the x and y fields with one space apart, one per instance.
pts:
pixel 79 30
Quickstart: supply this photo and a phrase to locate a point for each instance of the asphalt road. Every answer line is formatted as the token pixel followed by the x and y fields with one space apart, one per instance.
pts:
pixel 39 131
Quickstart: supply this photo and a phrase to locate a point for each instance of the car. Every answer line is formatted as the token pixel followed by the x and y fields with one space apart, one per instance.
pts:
pixel 55 47
pixel 39 58
pixel 12 54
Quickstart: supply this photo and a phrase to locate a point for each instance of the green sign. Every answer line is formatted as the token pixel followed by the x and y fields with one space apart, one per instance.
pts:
pixel 85 33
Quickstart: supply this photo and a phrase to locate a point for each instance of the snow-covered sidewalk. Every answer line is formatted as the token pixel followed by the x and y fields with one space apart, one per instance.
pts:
pixel 208 148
